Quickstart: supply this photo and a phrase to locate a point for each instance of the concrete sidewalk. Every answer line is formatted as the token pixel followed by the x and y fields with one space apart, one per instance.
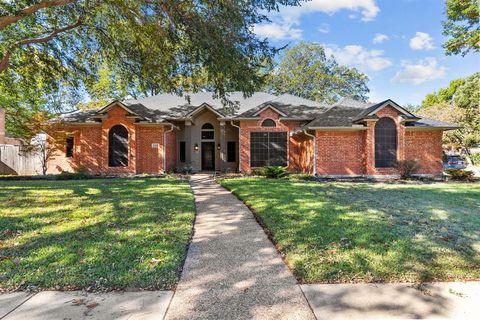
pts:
pixel 232 270
pixel 444 300
pixel 53 305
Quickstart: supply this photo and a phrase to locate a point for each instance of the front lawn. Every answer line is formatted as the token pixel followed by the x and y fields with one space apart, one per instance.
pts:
pixel 347 232
pixel 94 234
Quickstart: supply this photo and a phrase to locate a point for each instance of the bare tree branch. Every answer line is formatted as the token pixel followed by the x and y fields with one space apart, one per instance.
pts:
pixel 4 62
pixel 5 21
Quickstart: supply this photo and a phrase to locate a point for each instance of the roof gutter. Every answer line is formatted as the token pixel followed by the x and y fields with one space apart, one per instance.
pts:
pixel 314 150
pixel 239 149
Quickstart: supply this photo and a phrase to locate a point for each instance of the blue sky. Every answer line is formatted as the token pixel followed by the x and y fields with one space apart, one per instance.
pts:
pixel 397 43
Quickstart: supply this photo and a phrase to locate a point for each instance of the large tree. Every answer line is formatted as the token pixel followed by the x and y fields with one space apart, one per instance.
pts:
pixel 306 71
pixel 458 103
pixel 462 26
pixel 53 51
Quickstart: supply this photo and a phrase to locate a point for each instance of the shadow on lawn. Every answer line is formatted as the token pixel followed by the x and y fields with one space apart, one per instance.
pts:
pixel 367 232
pixel 99 234
pixel 222 279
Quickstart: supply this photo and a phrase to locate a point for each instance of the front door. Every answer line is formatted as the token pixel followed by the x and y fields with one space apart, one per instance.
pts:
pixel 208 156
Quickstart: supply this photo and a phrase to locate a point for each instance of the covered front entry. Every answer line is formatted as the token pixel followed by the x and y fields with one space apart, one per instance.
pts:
pixel 208 156
pixel 205 142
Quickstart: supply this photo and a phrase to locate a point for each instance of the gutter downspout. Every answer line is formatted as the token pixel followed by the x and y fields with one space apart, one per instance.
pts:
pixel 314 151
pixel 239 149
pixel 165 147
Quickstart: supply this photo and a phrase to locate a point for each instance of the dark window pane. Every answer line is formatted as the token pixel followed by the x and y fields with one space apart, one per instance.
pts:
pixel 69 147
pixel 268 123
pixel 208 135
pixel 118 146
pixel 268 149
pixel 231 151
pixel 385 143
pixel 207 126
pixel 182 151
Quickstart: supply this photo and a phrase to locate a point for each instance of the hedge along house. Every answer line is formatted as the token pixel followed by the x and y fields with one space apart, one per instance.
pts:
pixel 172 133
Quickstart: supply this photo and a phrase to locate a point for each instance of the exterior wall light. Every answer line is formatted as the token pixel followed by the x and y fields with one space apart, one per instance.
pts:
pixel 218 146
pixel 195 147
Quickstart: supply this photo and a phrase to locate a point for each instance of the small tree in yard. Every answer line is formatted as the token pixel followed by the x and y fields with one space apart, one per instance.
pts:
pixel 44 138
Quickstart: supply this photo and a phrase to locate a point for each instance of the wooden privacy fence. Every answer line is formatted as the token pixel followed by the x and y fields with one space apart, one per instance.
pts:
pixel 14 160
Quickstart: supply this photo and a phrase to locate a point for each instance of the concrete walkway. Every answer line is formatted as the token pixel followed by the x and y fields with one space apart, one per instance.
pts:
pixel 232 270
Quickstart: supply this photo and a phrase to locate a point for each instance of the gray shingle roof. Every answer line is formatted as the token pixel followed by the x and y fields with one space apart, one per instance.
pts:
pixel 337 116
pixel 165 107
pixel 78 116
pixel 175 104
pixel 431 123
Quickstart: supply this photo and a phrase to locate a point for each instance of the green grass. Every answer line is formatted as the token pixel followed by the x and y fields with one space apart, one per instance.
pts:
pixel 96 234
pixel 366 232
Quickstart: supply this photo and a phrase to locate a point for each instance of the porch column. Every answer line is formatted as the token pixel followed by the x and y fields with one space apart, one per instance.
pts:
pixel 223 157
pixel 188 143
pixel 370 148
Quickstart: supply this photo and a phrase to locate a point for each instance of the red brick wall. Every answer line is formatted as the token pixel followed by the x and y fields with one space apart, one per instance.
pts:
pixel 340 152
pixel 91 147
pixel 425 147
pixel 248 126
pixel 149 159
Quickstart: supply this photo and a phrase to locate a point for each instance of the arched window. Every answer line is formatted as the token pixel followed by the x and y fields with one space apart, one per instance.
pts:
pixel 208 131
pixel 118 147
pixel 268 123
pixel 385 143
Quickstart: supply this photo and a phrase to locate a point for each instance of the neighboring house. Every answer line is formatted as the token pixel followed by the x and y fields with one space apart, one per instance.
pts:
pixel 167 133
pixel 13 158
pixel 5 138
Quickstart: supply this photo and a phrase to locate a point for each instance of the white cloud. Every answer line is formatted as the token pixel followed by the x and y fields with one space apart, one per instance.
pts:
pixel 278 31
pixel 367 8
pixel 324 28
pixel 285 23
pixel 421 41
pixel 360 57
pixel 379 38
pixel 417 73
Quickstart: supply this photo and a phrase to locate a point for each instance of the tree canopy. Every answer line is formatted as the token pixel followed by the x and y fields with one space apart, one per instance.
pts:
pixel 53 51
pixel 306 71
pixel 154 46
pixel 458 103
pixel 462 26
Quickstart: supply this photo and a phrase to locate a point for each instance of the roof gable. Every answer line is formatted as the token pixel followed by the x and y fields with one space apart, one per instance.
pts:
pixel 371 111
pixel 269 106
pixel 113 104
pixel 202 107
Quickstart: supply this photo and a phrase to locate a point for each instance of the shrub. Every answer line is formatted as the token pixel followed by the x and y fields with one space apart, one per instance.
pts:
pixel 65 175
pixel 475 158
pixel 460 175
pixel 275 172
pixel 407 168
pixel 258 171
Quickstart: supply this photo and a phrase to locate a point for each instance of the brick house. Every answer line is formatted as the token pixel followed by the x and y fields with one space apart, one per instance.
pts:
pixel 200 133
